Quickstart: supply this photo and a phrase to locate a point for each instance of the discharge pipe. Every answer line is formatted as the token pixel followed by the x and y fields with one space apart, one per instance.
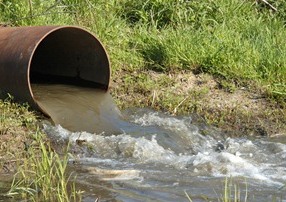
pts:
pixel 50 54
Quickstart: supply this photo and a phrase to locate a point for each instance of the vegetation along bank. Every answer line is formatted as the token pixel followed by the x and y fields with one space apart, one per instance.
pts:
pixel 223 60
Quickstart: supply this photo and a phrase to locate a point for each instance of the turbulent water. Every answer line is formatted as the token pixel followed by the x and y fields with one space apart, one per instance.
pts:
pixel 153 156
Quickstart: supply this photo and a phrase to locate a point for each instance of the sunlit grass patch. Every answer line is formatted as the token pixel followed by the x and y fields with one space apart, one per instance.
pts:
pixel 43 175
pixel 13 114
pixel 17 124
pixel 40 173
pixel 241 42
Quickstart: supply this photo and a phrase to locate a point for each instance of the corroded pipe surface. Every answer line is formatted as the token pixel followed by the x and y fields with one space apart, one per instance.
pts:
pixel 50 54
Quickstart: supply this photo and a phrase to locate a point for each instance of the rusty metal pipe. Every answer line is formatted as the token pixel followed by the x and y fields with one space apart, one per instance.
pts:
pixel 50 54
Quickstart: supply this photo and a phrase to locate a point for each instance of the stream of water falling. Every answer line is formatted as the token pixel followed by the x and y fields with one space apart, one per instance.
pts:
pixel 144 155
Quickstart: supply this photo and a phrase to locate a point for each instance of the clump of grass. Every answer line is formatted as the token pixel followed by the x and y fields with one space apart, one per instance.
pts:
pixel 231 192
pixel 43 176
pixel 41 173
pixel 34 12
pixel 16 125
pixel 161 14
pixel 14 115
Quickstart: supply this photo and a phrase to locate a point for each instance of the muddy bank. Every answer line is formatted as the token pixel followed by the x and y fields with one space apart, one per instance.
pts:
pixel 237 110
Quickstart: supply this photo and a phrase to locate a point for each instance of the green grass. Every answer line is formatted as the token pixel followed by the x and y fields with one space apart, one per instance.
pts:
pixel 16 127
pixel 241 42
pixel 25 152
pixel 43 176
pixel 14 115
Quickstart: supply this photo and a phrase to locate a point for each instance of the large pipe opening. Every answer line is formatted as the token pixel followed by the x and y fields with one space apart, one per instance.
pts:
pixel 62 71
pixel 36 62
pixel 69 55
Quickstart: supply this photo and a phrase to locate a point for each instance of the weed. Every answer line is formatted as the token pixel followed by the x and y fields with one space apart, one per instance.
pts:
pixel 43 175
pixel 231 192
pixel 41 172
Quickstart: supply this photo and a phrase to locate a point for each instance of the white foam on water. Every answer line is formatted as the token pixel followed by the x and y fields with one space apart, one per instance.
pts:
pixel 153 149
pixel 122 147
pixel 240 158
pixel 234 161
pixel 181 128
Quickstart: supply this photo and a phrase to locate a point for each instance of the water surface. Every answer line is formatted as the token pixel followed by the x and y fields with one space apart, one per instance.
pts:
pixel 77 108
pixel 144 155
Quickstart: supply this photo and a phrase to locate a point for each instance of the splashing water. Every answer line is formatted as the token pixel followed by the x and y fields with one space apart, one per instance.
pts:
pixel 155 156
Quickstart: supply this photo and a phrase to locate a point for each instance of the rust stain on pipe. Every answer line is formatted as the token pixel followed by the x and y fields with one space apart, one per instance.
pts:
pixel 50 54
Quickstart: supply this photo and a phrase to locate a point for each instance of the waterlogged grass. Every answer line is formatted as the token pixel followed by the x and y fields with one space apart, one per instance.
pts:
pixel 40 173
pixel 231 193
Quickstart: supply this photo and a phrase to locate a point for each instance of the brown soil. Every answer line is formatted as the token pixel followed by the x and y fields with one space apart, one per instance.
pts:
pixel 12 150
pixel 238 111
pixel 242 110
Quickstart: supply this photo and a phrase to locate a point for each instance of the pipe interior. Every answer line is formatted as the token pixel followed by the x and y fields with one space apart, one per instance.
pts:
pixel 70 56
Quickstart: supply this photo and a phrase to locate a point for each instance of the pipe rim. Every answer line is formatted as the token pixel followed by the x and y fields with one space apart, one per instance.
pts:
pixel 52 30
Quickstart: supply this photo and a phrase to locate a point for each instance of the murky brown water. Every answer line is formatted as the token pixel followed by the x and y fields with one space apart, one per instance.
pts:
pixel 155 156
pixel 79 109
